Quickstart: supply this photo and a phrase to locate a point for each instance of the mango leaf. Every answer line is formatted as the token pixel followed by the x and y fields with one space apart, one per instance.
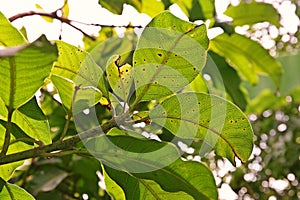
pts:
pixel 197 9
pixel 162 68
pixel 9 35
pixel 247 57
pixel 152 7
pixel 119 77
pixel 15 146
pixel 11 191
pixel 230 78
pixel 32 121
pixel 76 68
pixel 116 6
pixel 251 13
pixel 79 67
pixel 188 180
pixel 217 122
pixel 25 72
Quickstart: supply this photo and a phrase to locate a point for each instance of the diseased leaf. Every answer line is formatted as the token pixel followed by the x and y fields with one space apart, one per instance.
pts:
pixel 254 12
pixel 162 68
pixel 9 35
pixel 217 122
pixel 24 73
pixel 188 180
pixel 247 57
pixel 119 77
pixel 10 191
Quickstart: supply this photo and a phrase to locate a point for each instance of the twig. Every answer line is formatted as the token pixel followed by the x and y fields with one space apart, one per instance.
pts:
pixel 68 21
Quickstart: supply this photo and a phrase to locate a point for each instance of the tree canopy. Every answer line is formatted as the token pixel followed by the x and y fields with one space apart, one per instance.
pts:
pixel 162 111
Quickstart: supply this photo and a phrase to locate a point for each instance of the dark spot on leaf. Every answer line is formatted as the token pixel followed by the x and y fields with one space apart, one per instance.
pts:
pixel 244 129
pixel 175 55
pixel 144 69
pixel 159 54
pixel 144 59
pixel 134 62
pixel 194 69
pixel 231 121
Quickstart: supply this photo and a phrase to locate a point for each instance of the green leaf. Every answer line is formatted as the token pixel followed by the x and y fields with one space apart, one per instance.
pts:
pixel 65 90
pixel 132 154
pixel 65 9
pixel 175 181
pixel 116 6
pixel 79 67
pixel 229 76
pixel 216 121
pixel 11 191
pixel 197 9
pixel 152 7
pixel 251 13
pixel 32 121
pixel 247 57
pixel 9 35
pixel 162 68
pixel 46 179
pixel 265 100
pixel 24 73
pixel 290 77
pixel 15 146
pixel 113 189
pixel 114 46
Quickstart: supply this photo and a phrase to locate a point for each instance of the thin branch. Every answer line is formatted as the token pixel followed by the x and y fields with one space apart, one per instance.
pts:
pixel 68 21
pixel 65 144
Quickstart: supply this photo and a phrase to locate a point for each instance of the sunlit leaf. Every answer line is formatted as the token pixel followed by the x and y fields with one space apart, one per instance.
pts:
pixel 216 121
pixel 116 6
pixel 32 121
pixel 10 191
pixel 247 57
pixel 152 7
pixel 25 72
pixel 16 138
pixel 196 9
pixel 9 35
pixel 162 68
pixel 251 13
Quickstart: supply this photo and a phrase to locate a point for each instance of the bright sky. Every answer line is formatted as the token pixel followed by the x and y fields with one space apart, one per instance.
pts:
pixel 91 12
